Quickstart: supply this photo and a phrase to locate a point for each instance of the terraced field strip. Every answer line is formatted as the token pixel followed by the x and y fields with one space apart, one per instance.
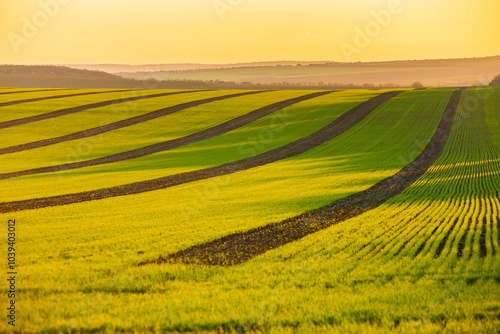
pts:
pixel 120 124
pixel 340 125
pixel 73 110
pixel 90 250
pixel 265 134
pixel 10 103
pixel 27 91
pixel 88 122
pixel 176 125
pixel 177 218
pixel 168 145
pixel 8 98
pixel 24 110
pixel 241 247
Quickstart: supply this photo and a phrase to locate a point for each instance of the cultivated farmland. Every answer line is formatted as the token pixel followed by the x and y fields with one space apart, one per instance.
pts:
pixel 267 211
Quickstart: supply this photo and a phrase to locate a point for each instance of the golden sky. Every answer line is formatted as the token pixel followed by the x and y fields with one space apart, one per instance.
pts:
pixel 228 31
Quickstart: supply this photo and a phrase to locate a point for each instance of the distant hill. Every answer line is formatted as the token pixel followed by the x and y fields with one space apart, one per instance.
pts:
pixel 64 77
pixel 440 72
pixel 264 75
pixel 55 76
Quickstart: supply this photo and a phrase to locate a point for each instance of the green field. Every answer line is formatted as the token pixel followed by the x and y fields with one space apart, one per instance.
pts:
pixel 435 73
pixel 425 261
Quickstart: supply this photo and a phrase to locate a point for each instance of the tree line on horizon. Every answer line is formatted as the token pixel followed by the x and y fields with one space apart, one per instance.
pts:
pixel 49 76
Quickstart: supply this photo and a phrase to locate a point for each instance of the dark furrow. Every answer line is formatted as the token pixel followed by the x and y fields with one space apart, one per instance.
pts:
pixel 343 249
pixel 332 130
pixel 395 235
pixel 482 239
pixel 29 91
pixel 498 221
pixel 445 239
pixel 473 238
pixel 403 246
pixel 461 243
pixel 67 111
pixel 171 144
pixel 241 247
pixel 492 229
pixel 5 104
pixel 380 235
pixel 119 124
pixel 422 246
pixel 462 222
pixel 498 229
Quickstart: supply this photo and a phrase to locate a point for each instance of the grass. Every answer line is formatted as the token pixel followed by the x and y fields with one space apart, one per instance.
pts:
pixel 34 95
pixel 95 117
pixel 301 119
pixel 166 128
pixel 78 262
pixel 28 109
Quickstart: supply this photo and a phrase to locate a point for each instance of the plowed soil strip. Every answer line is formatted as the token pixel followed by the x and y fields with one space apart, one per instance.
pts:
pixel 5 104
pixel 73 110
pixel 332 130
pixel 241 247
pixel 29 91
pixel 120 124
pixel 171 144
pixel 483 250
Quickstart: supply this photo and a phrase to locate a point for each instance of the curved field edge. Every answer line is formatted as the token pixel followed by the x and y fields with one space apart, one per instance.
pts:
pixel 303 287
pixel 52 97
pixel 241 247
pixel 216 130
pixel 337 127
pixel 212 208
pixel 287 126
pixel 38 108
pixel 13 91
pixel 132 137
pixel 87 129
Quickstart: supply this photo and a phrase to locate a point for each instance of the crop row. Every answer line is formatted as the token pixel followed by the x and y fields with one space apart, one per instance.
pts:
pixel 450 217
pixel 260 136
pixel 179 217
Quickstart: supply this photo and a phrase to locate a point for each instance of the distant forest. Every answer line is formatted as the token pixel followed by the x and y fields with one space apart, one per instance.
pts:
pixel 43 76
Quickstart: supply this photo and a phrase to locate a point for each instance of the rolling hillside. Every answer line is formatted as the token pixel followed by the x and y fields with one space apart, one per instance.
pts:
pixel 253 210
pixel 437 73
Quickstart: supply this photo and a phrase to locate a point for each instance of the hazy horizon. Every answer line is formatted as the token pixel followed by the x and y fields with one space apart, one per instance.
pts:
pixel 256 62
pixel 238 31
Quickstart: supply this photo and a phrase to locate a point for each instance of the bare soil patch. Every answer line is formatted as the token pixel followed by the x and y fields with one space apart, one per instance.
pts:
pixel 11 103
pixel 330 131
pixel 241 247
pixel 73 110
pixel 163 146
